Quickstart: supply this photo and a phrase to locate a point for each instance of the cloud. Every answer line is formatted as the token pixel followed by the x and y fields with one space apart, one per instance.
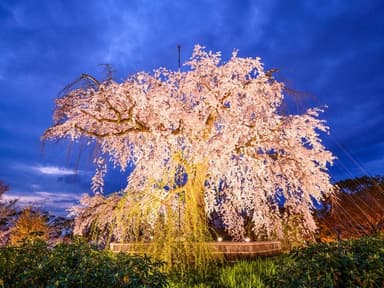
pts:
pixel 54 202
pixel 24 199
pixel 54 170
pixel 49 186
pixel 332 51
pixel 35 187
pixel 143 34
pixel 58 196
pixel 41 196
pixel 48 170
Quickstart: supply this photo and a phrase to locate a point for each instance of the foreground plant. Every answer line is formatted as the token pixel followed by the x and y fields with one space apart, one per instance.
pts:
pixel 75 265
pixel 217 125
pixel 346 264
pixel 352 263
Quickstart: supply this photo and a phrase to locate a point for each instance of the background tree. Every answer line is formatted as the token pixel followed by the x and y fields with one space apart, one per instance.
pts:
pixel 6 207
pixel 219 125
pixel 29 226
pixel 7 211
pixel 3 187
pixel 358 210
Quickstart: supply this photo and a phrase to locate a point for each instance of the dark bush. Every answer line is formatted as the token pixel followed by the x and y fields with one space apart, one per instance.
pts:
pixel 76 265
pixel 352 263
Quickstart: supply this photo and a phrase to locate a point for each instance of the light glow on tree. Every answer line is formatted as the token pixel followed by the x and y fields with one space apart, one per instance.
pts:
pixel 220 117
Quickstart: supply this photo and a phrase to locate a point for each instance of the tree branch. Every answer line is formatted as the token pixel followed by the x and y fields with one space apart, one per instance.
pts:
pixel 120 133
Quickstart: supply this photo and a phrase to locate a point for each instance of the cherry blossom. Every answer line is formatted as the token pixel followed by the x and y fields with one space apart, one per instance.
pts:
pixel 225 115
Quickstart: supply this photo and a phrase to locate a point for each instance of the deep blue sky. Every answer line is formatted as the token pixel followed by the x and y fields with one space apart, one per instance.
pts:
pixel 331 51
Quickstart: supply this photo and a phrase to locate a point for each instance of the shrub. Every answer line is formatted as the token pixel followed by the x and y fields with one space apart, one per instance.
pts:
pixel 76 265
pixel 353 263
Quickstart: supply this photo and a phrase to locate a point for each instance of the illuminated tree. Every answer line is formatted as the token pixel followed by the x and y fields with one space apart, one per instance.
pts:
pixel 29 226
pixel 219 120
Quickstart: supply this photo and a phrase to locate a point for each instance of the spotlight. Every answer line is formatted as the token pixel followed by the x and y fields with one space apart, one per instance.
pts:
pixel 219 239
pixel 247 239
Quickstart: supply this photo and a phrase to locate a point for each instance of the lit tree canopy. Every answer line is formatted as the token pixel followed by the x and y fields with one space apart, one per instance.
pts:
pixel 223 116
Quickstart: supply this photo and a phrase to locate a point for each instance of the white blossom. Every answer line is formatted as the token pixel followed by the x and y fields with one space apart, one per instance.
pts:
pixel 223 113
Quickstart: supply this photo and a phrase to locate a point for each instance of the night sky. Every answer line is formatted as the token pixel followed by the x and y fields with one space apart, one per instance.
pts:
pixel 329 52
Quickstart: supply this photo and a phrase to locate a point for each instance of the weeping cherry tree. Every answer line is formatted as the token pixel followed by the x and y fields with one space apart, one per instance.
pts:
pixel 208 140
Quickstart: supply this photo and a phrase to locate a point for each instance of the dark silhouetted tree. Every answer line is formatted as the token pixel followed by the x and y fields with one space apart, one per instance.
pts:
pixel 7 211
pixel 358 211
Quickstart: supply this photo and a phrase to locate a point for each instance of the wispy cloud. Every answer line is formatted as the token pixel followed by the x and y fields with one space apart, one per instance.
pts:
pixel 41 196
pixel 49 170
pixel 54 188
pixel 54 170
pixel 58 196
pixel 55 202
pixel 24 199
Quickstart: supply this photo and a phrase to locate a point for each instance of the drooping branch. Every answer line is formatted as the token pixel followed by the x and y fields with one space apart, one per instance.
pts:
pixel 223 114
